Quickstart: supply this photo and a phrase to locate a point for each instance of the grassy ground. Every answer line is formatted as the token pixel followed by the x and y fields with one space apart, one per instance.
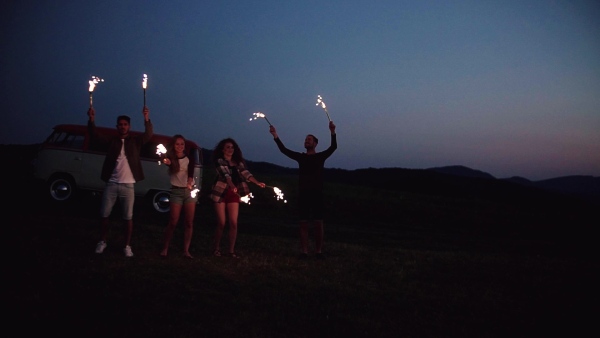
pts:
pixel 398 265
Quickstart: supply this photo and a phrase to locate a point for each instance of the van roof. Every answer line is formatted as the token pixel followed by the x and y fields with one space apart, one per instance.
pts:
pixel 156 138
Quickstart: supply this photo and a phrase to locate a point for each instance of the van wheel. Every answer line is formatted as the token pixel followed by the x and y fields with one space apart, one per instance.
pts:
pixel 160 201
pixel 61 188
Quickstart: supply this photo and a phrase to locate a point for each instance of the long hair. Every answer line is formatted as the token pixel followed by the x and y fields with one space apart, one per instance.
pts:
pixel 218 151
pixel 174 167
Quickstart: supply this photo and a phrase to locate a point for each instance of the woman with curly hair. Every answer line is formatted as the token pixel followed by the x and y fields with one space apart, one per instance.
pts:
pixel 230 185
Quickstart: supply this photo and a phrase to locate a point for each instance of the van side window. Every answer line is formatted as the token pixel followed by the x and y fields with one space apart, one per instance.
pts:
pixel 65 140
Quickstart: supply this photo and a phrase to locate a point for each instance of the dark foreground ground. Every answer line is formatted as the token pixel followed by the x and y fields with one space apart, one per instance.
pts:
pixel 432 266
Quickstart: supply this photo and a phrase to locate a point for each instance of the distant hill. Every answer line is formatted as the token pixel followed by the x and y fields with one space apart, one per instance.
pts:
pixel 453 180
pixel 459 170
pixel 587 187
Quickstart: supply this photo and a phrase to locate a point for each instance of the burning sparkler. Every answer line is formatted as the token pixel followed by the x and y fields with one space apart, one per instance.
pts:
pixel 93 82
pixel 160 149
pixel 246 199
pixel 259 114
pixel 322 104
pixel 144 85
pixel 278 194
pixel 195 190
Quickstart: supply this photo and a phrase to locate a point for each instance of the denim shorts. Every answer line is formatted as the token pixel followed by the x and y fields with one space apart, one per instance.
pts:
pixel 124 192
pixel 182 196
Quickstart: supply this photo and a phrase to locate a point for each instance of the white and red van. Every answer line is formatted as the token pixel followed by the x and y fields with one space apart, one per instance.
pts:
pixel 68 162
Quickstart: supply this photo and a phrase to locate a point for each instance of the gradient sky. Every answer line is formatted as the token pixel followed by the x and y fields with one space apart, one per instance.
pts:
pixel 511 88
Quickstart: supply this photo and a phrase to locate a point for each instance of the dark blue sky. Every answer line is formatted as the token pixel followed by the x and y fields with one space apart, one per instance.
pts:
pixel 508 87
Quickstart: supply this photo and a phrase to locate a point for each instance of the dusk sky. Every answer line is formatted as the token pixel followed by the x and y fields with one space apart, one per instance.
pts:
pixel 511 88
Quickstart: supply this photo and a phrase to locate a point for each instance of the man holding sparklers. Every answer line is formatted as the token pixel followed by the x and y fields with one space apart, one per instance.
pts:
pixel 121 169
pixel 310 191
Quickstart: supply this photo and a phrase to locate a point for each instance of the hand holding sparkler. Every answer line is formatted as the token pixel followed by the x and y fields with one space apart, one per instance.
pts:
pixel 322 104
pixel 91 113
pixel 93 82
pixel 160 150
pixel 259 114
pixel 273 131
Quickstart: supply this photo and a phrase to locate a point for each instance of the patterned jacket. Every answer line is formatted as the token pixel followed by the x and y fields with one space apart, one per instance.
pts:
pixel 223 172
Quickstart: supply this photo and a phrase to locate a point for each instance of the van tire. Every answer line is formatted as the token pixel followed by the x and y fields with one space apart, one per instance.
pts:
pixel 160 200
pixel 61 187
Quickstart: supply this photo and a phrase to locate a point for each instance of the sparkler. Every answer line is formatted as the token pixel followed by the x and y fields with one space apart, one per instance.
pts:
pixel 144 85
pixel 195 190
pixel 160 149
pixel 322 104
pixel 278 193
pixel 246 199
pixel 259 114
pixel 93 82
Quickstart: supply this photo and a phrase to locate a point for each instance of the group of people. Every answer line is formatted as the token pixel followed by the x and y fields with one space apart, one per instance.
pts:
pixel 122 168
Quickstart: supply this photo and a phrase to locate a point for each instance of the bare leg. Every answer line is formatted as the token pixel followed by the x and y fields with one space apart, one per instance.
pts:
pixel 190 208
pixel 318 235
pixel 128 231
pixel 304 236
pixel 233 211
pixel 173 220
pixel 221 217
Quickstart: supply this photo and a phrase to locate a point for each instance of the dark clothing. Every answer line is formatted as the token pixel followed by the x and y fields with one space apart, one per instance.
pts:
pixel 310 205
pixel 310 180
pixel 133 146
pixel 310 167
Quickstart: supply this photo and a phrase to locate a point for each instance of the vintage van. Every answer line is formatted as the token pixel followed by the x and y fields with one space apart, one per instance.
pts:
pixel 68 162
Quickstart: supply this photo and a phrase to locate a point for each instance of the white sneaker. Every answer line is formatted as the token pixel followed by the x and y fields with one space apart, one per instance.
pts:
pixel 100 247
pixel 128 252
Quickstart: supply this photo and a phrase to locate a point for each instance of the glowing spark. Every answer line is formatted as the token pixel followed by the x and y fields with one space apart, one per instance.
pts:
pixel 246 199
pixel 322 104
pixel 160 149
pixel 93 82
pixel 259 114
pixel 279 194
pixel 145 81
pixel 195 190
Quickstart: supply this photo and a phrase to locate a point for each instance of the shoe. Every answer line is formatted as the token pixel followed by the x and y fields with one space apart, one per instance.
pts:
pixel 128 252
pixel 100 247
pixel 303 256
pixel 320 256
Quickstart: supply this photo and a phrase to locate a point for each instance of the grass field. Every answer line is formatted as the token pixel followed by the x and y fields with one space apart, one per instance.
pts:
pixel 399 265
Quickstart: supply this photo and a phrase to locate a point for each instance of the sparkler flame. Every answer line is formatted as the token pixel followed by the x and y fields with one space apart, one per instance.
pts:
pixel 246 199
pixel 279 194
pixel 322 104
pixel 194 191
pixel 160 149
pixel 259 114
pixel 145 81
pixel 93 82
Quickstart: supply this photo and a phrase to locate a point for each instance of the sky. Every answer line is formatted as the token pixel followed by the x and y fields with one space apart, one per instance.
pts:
pixel 511 88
